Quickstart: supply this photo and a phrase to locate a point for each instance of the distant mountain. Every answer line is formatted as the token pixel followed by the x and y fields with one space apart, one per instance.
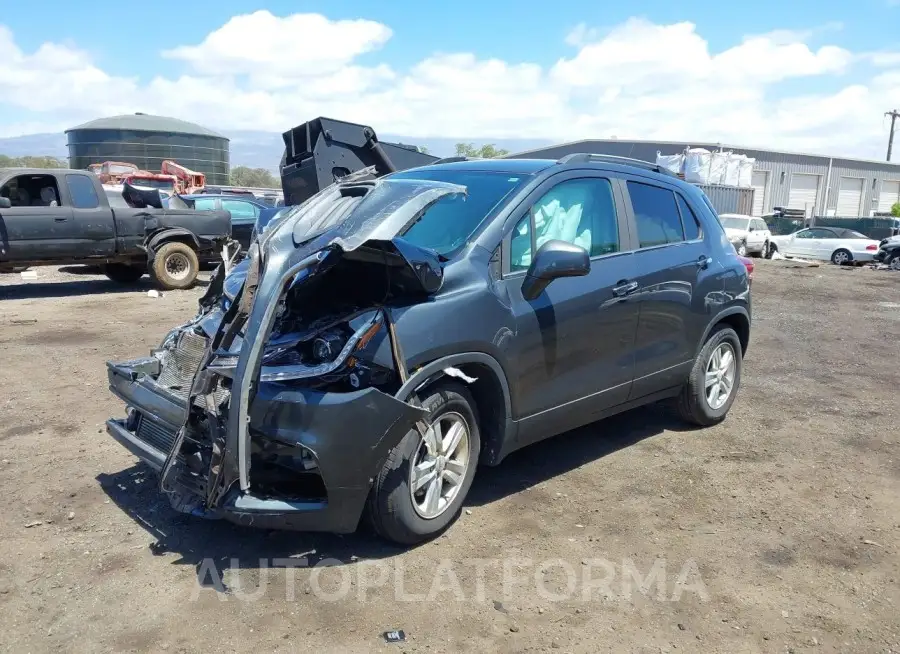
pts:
pixel 261 149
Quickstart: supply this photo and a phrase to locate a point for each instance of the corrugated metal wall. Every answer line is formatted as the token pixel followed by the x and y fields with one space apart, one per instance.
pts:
pixel 780 166
pixel 729 199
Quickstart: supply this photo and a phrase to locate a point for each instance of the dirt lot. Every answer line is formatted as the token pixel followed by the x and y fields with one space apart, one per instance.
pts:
pixel 777 531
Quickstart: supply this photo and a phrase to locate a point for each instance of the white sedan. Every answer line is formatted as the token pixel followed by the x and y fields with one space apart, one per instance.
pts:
pixel 840 246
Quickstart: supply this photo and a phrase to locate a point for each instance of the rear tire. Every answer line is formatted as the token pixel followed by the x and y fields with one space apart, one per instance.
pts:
pixel 393 510
pixel 841 257
pixel 175 266
pixel 123 273
pixel 694 403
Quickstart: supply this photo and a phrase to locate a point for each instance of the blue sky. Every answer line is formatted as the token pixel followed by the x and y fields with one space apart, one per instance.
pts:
pixel 512 30
pixel 794 74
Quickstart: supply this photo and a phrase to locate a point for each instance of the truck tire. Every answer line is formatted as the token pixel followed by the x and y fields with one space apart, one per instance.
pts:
pixel 175 266
pixel 123 273
pixel 703 401
pixel 395 509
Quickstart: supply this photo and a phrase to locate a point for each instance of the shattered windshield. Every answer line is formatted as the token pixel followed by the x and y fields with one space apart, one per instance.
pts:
pixel 447 224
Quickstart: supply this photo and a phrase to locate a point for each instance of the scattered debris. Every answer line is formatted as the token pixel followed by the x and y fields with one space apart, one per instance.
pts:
pixel 395 636
pixel 29 274
pixel 540 610
pixel 784 614
pixel 456 372
pixel 153 293
pixel 71 515
pixel 777 256
pixel 23 321
pixel 866 541
pixel 514 628
pixel 498 606
pixel 468 511
pixel 35 523
pixel 681 627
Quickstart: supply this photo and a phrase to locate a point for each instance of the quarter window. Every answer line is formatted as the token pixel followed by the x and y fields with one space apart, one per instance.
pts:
pixel 656 214
pixel 688 219
pixel 578 211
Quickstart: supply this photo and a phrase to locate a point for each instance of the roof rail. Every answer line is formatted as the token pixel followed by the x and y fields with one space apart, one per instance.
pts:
pixel 450 160
pixel 586 157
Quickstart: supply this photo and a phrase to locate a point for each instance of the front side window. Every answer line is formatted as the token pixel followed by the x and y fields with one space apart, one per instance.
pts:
pixel 578 211
pixel 656 215
pixel 240 209
pixel 205 204
pixel 806 233
pixel 84 195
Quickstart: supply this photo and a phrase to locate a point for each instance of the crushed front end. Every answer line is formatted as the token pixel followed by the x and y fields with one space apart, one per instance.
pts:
pixel 275 405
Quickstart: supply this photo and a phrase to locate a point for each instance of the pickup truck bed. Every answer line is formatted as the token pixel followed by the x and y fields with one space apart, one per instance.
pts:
pixel 58 217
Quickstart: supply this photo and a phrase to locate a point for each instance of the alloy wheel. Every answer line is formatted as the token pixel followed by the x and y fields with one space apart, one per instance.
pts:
pixel 439 465
pixel 720 373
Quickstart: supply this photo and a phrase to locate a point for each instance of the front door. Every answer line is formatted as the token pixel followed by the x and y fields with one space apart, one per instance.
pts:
pixel 674 275
pixel 572 353
pixel 35 228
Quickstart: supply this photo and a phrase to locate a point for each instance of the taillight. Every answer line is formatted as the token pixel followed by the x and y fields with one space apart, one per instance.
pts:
pixel 871 247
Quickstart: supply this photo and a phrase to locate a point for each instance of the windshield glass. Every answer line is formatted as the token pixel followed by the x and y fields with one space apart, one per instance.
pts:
pixel 852 234
pixel 735 223
pixel 447 225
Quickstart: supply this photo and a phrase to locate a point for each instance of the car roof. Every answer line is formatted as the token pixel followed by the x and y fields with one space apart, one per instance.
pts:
pixel 734 215
pixel 224 196
pixel 520 166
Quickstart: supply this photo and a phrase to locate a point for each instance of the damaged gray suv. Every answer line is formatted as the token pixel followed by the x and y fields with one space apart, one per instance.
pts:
pixel 387 336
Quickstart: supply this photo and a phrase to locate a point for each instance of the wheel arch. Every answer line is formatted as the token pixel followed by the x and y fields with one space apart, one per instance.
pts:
pixel 179 234
pixel 489 386
pixel 738 319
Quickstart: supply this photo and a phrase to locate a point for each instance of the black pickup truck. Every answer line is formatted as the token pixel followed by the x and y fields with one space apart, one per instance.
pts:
pixel 59 217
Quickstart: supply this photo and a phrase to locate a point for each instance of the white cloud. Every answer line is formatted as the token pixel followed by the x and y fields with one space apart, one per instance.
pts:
pixel 635 80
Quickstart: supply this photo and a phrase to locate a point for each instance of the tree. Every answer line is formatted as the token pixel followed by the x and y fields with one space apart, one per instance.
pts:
pixel 45 161
pixel 254 177
pixel 487 151
pixel 895 210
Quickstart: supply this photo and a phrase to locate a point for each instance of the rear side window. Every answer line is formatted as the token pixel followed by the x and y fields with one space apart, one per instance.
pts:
pixel 688 219
pixel 84 195
pixel 656 214
pixel 205 204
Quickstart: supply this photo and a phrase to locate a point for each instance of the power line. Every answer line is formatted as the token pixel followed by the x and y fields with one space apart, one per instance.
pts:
pixel 894 115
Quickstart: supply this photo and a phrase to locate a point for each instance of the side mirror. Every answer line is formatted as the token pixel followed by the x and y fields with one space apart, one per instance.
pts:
pixel 5 203
pixel 553 260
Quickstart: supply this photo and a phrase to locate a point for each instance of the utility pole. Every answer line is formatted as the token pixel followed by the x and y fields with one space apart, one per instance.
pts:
pixel 894 115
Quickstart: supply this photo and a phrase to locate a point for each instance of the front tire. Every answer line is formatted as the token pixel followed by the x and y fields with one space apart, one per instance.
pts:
pixel 122 273
pixel 742 249
pixel 424 482
pixel 841 257
pixel 714 380
pixel 175 266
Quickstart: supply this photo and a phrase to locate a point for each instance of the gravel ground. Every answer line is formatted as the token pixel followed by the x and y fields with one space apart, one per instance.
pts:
pixel 776 531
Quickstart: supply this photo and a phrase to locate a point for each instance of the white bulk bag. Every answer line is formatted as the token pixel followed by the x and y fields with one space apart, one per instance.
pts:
pixel 673 162
pixel 696 165
pixel 733 169
pixel 717 164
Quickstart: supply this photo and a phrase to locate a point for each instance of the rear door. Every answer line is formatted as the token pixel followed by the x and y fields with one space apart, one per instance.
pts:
pixel 36 227
pixel 573 349
pixel 92 220
pixel 674 273
pixel 243 219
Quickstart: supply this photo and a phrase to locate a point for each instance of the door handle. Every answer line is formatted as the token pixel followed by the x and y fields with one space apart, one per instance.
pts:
pixel 703 262
pixel 624 288
pixel 61 219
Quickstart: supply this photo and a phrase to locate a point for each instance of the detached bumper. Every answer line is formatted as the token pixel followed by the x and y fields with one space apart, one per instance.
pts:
pixel 344 437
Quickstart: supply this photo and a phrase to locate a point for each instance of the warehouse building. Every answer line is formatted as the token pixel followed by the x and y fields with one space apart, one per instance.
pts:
pixel 820 185
pixel 146 141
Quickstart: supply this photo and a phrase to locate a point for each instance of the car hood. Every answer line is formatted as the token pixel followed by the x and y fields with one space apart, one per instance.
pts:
pixel 363 221
pixel 731 232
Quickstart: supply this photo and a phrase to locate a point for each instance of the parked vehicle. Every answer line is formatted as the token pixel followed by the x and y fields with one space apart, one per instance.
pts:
pixel 840 246
pixel 187 181
pixel 57 217
pixel 749 235
pixel 387 336
pixel 889 252
pixel 244 212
